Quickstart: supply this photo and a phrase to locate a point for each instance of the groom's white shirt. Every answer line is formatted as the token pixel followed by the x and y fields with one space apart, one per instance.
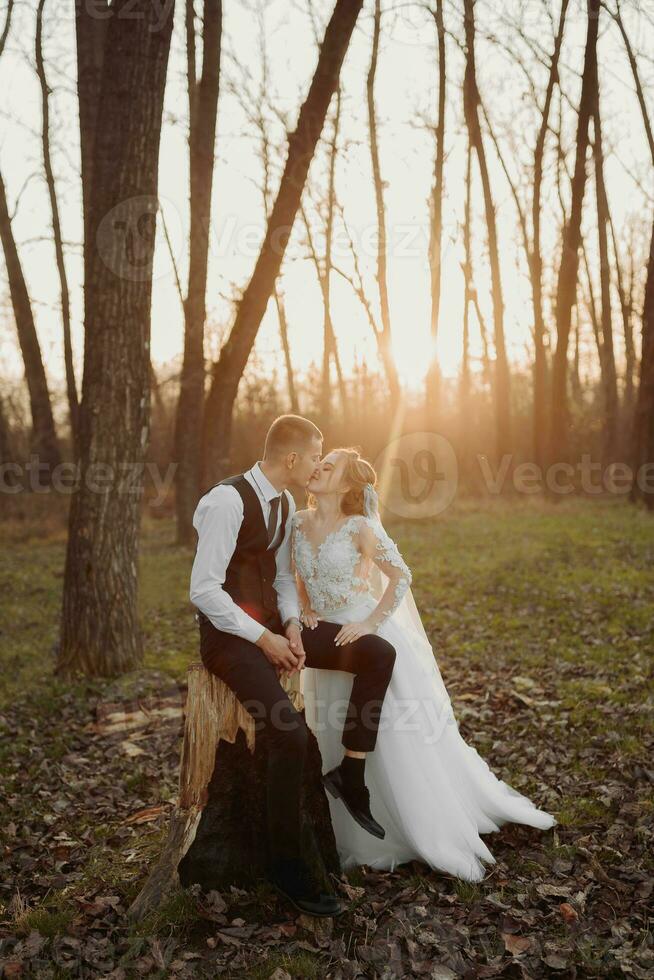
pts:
pixel 217 519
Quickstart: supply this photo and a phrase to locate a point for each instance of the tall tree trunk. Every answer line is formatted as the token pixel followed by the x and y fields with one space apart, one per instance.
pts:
pixel 642 450
pixel 575 379
pixel 642 434
pixel 329 346
pixel 71 385
pixel 568 270
pixel 203 106
pixel 91 32
pixel 436 225
pixel 471 109
pixel 609 376
pixel 283 332
pixel 100 633
pixel 43 441
pixel 592 312
pixel 385 335
pixel 625 293
pixel 229 367
pixel 5 442
pixel 464 383
pixel 536 259
pixel 324 268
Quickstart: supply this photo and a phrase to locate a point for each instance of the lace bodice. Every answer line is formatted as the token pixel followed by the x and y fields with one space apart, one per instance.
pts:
pixel 338 571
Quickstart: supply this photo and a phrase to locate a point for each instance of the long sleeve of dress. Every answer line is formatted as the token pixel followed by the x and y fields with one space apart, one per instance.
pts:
pixel 376 544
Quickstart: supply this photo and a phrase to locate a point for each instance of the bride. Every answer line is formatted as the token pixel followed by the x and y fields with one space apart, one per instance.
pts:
pixel 433 793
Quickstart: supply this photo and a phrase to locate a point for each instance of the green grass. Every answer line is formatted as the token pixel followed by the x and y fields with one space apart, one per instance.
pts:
pixel 304 965
pixel 549 603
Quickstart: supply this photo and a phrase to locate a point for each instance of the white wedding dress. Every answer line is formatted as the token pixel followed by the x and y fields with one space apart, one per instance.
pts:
pixel 433 793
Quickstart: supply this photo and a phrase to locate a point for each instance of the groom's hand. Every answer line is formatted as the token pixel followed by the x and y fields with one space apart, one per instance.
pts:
pixel 278 651
pixel 294 637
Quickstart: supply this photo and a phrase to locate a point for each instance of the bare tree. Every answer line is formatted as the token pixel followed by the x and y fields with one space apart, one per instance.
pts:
pixel 228 369
pixel 465 380
pixel 642 437
pixel 90 35
pixel 536 255
pixel 324 268
pixel 259 117
pixel 471 103
pixel 625 287
pixel 609 377
pixel 43 438
pixel 568 270
pixel 99 626
pixel 280 303
pixel 203 106
pixel 71 385
pixel 385 334
pixel 6 451
pixel 436 215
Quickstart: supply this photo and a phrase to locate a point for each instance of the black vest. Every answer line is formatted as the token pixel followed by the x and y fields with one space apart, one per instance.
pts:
pixel 252 569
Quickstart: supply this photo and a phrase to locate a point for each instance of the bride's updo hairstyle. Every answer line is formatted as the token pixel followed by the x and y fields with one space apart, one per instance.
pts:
pixel 358 472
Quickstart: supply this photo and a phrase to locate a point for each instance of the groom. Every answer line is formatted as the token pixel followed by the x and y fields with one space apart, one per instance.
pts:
pixel 250 631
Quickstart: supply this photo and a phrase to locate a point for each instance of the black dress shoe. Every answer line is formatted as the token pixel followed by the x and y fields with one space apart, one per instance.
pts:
pixel 292 879
pixel 356 800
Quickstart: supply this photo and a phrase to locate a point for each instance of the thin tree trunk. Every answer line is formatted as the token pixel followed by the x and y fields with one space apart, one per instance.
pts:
pixel 203 106
pixel 5 441
pixel 575 380
pixel 228 369
pixel 609 376
pixel 283 332
pixel 592 307
pixel 329 350
pixel 43 440
pixel 471 108
pixel 536 258
pixel 568 270
pixel 385 335
pixel 436 227
pixel 71 385
pixel 626 308
pixel 464 383
pixel 100 634
pixel 324 271
pixel 642 453
pixel 642 434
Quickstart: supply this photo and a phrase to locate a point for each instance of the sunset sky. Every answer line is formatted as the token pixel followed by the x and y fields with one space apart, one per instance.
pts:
pixel 406 97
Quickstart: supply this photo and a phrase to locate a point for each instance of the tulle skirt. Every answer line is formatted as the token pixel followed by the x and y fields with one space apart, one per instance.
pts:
pixel 433 793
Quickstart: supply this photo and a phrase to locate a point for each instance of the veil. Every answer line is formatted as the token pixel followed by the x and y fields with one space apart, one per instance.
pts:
pixel 406 615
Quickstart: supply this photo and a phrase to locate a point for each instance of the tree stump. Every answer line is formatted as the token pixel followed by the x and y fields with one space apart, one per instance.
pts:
pixel 218 829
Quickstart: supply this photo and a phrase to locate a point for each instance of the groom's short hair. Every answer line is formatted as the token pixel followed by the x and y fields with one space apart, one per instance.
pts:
pixel 289 433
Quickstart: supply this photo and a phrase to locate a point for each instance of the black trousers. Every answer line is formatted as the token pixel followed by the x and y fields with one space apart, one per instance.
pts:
pixel 244 667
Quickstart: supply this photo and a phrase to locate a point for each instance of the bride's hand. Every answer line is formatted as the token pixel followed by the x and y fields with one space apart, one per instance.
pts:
pixel 309 618
pixel 352 631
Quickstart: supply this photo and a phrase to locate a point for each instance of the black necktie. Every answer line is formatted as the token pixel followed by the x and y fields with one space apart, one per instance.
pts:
pixel 272 519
